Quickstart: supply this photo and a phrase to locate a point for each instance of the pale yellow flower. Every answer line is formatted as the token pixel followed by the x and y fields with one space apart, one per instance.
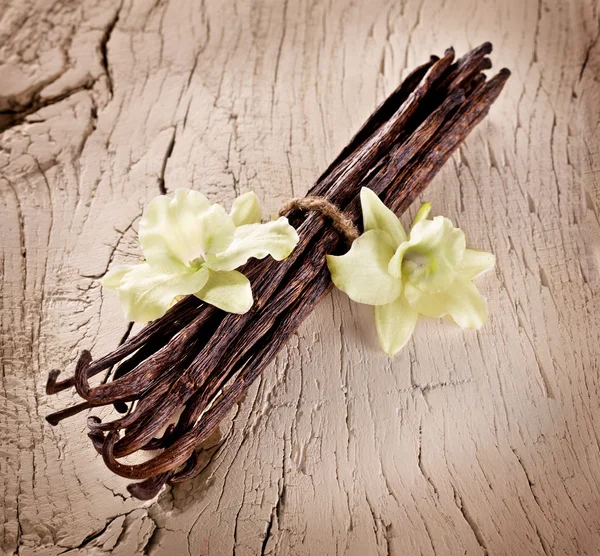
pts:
pixel 428 272
pixel 191 247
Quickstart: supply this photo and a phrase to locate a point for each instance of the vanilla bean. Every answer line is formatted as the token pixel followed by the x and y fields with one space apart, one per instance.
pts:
pixel 148 489
pixel 202 360
pixel 431 161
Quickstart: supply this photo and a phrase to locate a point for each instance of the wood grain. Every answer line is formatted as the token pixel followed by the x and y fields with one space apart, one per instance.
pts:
pixel 465 443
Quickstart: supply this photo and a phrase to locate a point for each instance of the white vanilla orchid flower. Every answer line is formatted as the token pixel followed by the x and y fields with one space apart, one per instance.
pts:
pixel 191 247
pixel 428 272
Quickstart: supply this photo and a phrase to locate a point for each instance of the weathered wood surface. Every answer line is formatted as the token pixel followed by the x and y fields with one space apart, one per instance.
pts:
pixel 465 443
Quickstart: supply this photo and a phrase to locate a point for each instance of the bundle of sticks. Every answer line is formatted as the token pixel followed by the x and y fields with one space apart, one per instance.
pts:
pixel 173 382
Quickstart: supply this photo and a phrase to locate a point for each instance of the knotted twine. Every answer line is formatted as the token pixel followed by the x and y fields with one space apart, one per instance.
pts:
pixel 340 222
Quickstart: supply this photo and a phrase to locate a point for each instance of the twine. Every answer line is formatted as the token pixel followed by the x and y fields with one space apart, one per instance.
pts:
pixel 340 222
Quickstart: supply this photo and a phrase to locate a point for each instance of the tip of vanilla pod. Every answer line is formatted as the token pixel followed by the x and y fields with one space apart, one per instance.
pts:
pixel 52 420
pixel 487 47
pixel 505 72
pixel 51 382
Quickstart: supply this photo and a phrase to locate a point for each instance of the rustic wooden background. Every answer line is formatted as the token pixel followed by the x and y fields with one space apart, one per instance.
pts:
pixel 466 443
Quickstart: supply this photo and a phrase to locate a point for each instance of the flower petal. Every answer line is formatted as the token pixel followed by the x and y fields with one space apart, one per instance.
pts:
pixel 146 293
pixel 112 279
pixel 277 238
pixel 362 272
pixel 395 323
pixel 475 263
pixel 376 216
pixel 437 247
pixel 177 231
pixel 228 290
pixel 462 301
pixel 215 229
pixel 246 209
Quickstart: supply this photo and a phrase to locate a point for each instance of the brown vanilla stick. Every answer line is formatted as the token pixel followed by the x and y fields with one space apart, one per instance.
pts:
pixel 183 312
pixel 396 153
pixel 184 382
pixel 178 453
pixel 458 128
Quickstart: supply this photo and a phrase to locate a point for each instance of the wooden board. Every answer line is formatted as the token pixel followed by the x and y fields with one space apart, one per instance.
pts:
pixel 466 443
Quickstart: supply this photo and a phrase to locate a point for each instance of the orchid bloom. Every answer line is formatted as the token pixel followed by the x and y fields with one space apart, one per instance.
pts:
pixel 427 272
pixel 191 247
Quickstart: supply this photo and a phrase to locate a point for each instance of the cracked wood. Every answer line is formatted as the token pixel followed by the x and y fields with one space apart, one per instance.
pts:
pixel 465 443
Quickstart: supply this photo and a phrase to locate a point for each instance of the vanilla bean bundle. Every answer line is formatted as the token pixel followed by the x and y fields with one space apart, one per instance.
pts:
pixel 198 361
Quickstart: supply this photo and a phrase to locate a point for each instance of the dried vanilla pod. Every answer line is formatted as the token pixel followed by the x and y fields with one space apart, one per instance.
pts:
pixel 202 360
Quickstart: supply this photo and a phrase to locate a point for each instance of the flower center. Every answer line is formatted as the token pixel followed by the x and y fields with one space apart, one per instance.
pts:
pixel 420 259
pixel 197 263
